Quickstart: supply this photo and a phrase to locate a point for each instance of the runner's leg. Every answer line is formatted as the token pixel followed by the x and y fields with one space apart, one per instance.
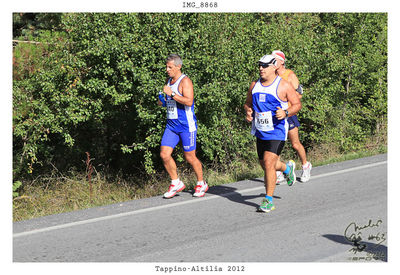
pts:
pixel 169 162
pixel 189 150
pixel 294 139
pixel 195 163
pixel 168 143
pixel 270 162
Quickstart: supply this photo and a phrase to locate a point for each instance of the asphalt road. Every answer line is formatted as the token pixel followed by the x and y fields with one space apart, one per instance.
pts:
pixel 315 221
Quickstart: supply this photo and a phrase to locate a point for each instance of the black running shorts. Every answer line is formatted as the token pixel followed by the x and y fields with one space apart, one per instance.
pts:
pixel 274 146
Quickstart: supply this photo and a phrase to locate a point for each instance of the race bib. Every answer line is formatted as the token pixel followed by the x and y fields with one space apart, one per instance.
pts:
pixel 172 110
pixel 263 121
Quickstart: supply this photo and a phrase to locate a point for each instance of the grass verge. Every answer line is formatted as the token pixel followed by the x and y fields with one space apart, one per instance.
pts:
pixel 58 193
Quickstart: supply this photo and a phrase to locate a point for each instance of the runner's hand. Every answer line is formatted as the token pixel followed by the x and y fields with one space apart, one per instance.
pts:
pixel 167 90
pixel 280 114
pixel 249 115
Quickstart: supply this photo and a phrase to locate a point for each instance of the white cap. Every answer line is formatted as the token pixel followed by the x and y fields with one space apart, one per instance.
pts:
pixel 279 55
pixel 267 59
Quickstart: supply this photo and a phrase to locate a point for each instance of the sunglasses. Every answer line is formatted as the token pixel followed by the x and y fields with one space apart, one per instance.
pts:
pixel 264 65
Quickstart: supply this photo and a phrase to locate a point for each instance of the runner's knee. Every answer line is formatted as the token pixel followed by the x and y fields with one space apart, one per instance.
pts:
pixel 296 145
pixel 269 164
pixel 165 155
pixel 190 157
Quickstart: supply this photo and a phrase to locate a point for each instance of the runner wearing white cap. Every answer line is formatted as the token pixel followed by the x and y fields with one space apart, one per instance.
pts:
pixel 267 108
pixel 293 121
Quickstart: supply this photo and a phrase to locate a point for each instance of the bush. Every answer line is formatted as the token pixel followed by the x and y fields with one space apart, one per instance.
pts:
pixel 95 87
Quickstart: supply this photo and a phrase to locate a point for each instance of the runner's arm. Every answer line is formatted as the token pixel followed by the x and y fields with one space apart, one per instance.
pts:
pixel 292 97
pixel 248 105
pixel 159 102
pixel 295 82
pixel 186 89
pixel 294 100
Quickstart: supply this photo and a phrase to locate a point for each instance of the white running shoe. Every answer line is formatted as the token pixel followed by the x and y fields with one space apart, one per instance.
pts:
pixel 173 189
pixel 279 177
pixel 305 176
pixel 200 190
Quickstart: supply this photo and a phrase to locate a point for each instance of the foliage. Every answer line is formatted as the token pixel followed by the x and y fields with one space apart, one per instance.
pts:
pixel 28 24
pixel 93 87
pixel 16 186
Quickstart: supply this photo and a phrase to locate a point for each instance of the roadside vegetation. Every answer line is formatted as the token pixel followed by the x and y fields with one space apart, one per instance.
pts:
pixel 56 193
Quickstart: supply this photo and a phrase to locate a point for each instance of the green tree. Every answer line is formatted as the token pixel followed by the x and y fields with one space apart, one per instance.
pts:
pixel 91 86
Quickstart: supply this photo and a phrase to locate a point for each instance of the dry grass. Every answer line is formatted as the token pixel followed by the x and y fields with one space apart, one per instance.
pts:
pixel 55 194
pixel 58 193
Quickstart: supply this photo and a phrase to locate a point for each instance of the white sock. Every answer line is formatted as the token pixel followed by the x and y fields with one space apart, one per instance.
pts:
pixel 175 182
pixel 200 182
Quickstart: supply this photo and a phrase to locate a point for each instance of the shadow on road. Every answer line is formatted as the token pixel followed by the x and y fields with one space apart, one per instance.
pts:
pixel 280 183
pixel 376 251
pixel 262 181
pixel 231 194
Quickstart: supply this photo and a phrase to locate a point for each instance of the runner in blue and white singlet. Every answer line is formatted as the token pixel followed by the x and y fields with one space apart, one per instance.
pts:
pixel 267 107
pixel 265 125
pixel 180 118
pixel 181 127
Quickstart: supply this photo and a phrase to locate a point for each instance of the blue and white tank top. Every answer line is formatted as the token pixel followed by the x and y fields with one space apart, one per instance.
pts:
pixel 265 102
pixel 180 118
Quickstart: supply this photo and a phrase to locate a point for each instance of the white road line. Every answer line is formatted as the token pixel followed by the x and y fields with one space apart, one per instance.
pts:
pixel 150 209
pixel 349 170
